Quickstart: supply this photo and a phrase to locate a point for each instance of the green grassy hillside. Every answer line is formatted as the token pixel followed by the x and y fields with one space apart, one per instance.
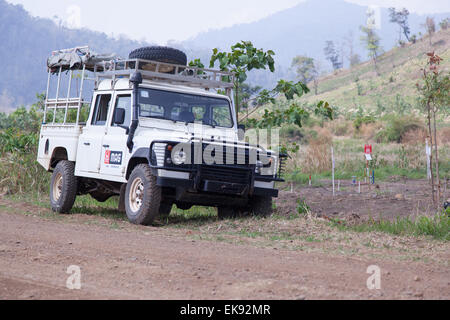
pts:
pixel 393 88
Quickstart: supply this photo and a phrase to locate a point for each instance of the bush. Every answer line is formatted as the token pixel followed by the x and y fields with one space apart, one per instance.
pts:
pixel 292 131
pixel 14 140
pixel 363 119
pixel 397 127
pixel 21 173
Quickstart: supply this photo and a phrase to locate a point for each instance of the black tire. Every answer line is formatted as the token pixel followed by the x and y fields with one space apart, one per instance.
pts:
pixel 100 196
pixel 229 212
pixel 160 54
pixel 261 206
pixel 63 187
pixel 142 207
pixel 165 209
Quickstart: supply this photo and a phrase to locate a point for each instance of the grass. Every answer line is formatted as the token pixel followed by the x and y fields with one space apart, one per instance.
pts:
pixel 399 71
pixel 437 226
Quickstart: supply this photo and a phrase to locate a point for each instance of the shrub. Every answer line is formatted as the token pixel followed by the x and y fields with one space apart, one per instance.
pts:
pixel 292 131
pixel 21 173
pixel 14 140
pixel 302 206
pixel 363 119
pixel 397 127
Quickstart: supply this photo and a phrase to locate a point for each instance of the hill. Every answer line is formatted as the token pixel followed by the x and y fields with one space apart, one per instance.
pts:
pixel 304 29
pixel 393 88
pixel 26 42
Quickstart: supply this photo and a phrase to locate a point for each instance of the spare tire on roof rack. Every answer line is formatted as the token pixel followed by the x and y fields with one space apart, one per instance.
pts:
pixel 159 54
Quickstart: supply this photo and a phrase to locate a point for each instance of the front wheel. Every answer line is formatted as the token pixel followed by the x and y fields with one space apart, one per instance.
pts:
pixel 63 187
pixel 142 196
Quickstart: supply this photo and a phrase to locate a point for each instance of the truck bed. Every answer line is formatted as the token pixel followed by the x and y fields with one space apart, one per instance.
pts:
pixel 55 136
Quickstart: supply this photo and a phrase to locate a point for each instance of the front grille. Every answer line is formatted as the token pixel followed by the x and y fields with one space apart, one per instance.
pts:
pixel 236 156
pixel 226 174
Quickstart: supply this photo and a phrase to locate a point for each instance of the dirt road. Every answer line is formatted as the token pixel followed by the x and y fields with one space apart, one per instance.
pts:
pixel 156 263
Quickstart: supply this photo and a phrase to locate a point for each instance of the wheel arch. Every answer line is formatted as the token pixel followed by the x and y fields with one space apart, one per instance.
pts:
pixel 141 156
pixel 133 163
pixel 58 154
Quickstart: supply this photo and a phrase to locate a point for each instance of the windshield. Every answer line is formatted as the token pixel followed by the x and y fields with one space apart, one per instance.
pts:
pixel 183 107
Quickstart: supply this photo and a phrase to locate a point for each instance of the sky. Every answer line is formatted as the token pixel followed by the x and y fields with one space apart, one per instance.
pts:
pixel 177 20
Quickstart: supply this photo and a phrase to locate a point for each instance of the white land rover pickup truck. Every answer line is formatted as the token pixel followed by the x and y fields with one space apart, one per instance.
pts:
pixel 157 134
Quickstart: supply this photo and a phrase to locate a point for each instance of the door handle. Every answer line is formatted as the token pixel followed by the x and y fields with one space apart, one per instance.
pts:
pixel 87 144
pixel 106 146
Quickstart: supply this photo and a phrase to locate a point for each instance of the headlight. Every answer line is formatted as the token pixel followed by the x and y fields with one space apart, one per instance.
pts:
pixel 179 157
pixel 268 169
pixel 259 166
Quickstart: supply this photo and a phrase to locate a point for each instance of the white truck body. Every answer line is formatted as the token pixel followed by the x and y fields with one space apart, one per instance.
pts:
pixel 99 150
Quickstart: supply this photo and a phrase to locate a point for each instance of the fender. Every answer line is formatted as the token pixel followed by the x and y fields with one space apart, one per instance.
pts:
pixel 136 158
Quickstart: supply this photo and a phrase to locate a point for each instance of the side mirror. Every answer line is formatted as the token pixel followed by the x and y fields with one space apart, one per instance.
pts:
pixel 241 131
pixel 119 116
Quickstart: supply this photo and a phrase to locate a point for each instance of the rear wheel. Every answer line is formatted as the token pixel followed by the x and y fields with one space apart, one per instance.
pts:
pixel 63 187
pixel 142 196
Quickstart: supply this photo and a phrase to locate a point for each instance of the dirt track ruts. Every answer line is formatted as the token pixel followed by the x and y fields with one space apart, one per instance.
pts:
pixel 155 263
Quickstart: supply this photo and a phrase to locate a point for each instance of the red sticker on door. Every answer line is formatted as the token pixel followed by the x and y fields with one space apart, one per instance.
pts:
pixel 113 157
pixel 107 156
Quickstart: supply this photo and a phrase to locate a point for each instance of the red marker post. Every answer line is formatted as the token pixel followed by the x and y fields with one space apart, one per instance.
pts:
pixel 368 154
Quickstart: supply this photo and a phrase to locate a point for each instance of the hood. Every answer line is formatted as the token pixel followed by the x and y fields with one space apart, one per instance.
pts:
pixel 179 131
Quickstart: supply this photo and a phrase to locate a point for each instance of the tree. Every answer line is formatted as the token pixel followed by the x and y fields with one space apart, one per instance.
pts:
pixel 317 73
pixel 430 27
pixel 332 55
pixel 243 58
pixel 444 23
pixel 246 93
pixel 370 38
pixel 353 58
pixel 434 99
pixel 307 70
pixel 304 67
pixel 401 18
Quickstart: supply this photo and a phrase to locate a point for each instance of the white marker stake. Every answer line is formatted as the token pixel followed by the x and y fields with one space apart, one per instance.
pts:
pixel 333 165
pixel 359 186
pixel 428 154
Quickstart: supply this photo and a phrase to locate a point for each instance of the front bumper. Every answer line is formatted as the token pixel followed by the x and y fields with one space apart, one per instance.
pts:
pixel 229 180
pixel 223 188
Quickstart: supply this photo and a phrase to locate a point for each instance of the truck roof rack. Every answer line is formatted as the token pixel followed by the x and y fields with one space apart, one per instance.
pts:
pixel 115 69
pixel 166 72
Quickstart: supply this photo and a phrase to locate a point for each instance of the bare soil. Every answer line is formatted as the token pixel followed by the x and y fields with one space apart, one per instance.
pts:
pixel 384 200
pixel 208 260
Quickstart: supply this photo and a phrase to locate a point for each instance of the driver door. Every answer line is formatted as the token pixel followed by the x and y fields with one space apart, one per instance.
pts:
pixel 90 141
pixel 115 153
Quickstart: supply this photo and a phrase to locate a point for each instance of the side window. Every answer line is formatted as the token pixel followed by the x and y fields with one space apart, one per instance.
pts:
pixel 222 116
pixel 148 110
pixel 123 102
pixel 101 110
